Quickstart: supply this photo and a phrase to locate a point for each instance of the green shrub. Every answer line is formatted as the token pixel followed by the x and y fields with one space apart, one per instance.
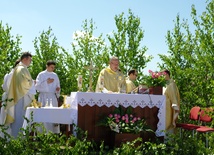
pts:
pixel 49 143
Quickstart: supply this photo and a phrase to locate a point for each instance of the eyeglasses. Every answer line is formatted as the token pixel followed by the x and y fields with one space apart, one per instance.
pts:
pixel 115 64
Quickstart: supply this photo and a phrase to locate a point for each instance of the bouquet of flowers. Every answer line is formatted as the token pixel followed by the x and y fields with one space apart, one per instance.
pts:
pixel 125 123
pixel 155 79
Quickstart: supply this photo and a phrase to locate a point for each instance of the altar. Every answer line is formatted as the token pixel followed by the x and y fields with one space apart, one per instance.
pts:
pixel 86 110
pixel 90 107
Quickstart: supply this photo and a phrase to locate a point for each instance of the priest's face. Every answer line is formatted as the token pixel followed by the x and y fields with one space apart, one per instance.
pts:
pixel 167 77
pixel 133 76
pixel 27 61
pixel 50 68
pixel 114 65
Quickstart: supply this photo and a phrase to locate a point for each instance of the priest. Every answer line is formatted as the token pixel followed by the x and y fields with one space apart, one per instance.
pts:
pixel 20 95
pixel 172 103
pixel 48 86
pixel 111 79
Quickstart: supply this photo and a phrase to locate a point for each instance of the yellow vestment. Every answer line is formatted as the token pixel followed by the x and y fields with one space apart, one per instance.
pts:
pixel 21 83
pixel 172 98
pixel 130 86
pixel 112 80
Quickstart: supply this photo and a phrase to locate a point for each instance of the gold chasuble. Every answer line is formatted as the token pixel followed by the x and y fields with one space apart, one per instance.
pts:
pixel 21 83
pixel 130 86
pixel 112 80
pixel 172 99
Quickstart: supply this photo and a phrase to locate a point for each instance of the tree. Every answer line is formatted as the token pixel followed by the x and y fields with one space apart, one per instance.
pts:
pixel 86 49
pixel 47 48
pixel 190 58
pixel 9 50
pixel 126 43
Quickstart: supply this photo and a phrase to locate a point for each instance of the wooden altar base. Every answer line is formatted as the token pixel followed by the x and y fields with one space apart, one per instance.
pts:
pixel 64 128
pixel 88 117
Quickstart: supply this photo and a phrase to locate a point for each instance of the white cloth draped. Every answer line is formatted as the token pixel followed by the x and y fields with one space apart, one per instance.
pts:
pixel 46 115
pixel 133 100
pixel 101 99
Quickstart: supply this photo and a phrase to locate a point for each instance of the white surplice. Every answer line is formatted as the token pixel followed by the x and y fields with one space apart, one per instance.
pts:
pixel 5 87
pixel 47 92
pixel 7 79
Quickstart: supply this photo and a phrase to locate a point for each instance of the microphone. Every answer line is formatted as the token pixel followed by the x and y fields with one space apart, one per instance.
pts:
pixel 146 91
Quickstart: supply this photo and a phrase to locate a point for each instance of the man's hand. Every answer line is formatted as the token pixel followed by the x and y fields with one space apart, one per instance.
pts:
pixel 58 88
pixel 177 111
pixel 50 80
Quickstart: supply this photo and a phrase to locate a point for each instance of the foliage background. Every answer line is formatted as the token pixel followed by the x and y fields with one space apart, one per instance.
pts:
pixel 189 57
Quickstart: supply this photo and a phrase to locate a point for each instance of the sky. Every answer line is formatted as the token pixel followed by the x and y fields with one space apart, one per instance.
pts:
pixel 28 18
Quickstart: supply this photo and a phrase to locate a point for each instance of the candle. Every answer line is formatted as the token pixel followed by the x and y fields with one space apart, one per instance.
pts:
pixel 101 82
pixel 79 80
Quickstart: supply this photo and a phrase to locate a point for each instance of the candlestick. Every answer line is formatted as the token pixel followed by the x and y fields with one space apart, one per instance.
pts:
pixel 79 82
pixel 91 68
pixel 101 85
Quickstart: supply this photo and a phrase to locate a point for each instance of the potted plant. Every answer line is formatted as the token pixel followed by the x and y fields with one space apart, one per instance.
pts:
pixel 155 81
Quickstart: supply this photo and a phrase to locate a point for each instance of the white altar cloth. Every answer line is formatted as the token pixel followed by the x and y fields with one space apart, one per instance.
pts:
pixel 134 100
pixel 49 115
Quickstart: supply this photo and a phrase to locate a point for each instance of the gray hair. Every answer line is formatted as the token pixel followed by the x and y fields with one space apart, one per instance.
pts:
pixel 114 58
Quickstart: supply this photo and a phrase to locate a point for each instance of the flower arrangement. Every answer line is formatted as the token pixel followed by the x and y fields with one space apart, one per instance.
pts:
pixel 125 122
pixel 155 79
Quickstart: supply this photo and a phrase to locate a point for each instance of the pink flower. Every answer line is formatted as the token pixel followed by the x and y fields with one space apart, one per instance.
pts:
pixel 159 74
pixel 156 75
pixel 163 73
pixel 153 75
pixel 110 115
pixel 156 79
pixel 115 116
pixel 127 121
pixel 123 118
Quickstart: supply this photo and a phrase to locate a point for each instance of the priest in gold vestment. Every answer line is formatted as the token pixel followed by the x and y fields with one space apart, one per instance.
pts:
pixel 111 79
pixel 172 103
pixel 20 95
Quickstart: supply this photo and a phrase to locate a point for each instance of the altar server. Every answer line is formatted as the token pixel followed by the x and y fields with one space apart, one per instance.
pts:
pixel 130 86
pixel 48 86
pixel 111 79
pixel 20 95
pixel 5 87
